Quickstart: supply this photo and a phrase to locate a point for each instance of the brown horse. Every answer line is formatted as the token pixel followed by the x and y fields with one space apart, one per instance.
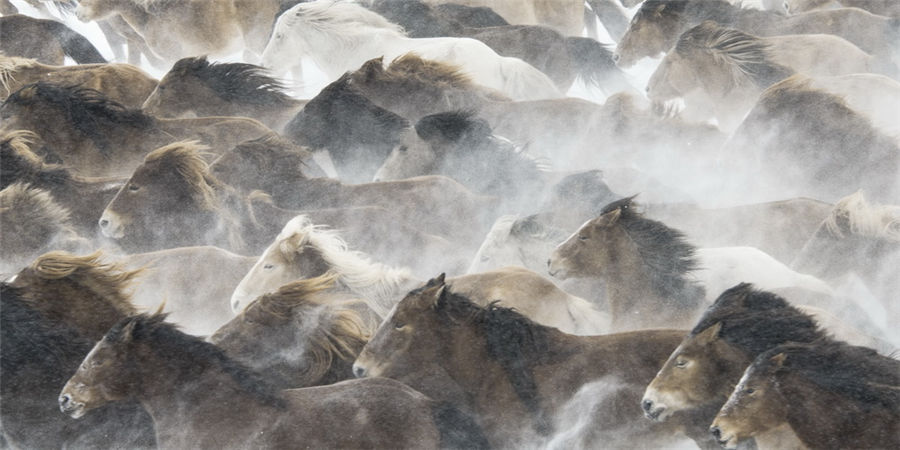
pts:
pixel 34 223
pixel 887 8
pixel 566 16
pixel 833 395
pixel 700 373
pixel 196 86
pixel 200 398
pixel 507 370
pixel 99 137
pixel 52 312
pixel 84 197
pixel 298 336
pixel 279 168
pixel 657 25
pixel 121 83
pixel 47 41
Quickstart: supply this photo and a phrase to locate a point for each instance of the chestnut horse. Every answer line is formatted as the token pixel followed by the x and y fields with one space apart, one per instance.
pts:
pixel 52 313
pixel 200 398
pixel 514 375
pixel 833 395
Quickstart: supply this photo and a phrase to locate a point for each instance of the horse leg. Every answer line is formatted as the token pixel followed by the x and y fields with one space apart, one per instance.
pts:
pixel 611 16
pixel 115 41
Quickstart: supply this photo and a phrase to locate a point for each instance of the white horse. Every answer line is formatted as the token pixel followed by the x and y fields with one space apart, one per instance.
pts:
pixel 340 36
pixel 303 250
pixel 517 241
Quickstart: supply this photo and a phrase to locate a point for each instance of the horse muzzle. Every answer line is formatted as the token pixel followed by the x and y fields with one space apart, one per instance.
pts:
pixel 71 407
pixel 111 225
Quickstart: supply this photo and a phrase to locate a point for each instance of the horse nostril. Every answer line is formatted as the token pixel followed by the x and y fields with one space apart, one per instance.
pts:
pixel 104 223
pixel 359 372
pixel 647 405
pixel 716 432
pixel 615 57
pixel 64 399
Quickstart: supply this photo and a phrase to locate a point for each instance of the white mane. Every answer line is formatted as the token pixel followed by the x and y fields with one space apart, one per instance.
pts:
pixel 379 284
pixel 877 221
pixel 338 18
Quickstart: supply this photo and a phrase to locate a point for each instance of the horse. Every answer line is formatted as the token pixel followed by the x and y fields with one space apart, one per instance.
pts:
pixel 504 368
pixel 885 8
pixel 84 197
pixel 200 398
pixel 303 250
pixel 175 30
pixel 566 16
pixel 721 71
pixel 52 312
pixel 33 223
pixel 560 58
pixel 187 283
pixel 700 373
pixel 658 23
pixel 341 36
pixel 653 275
pixel 194 86
pixel 804 133
pixel 517 241
pixel 46 41
pixel 299 335
pixel 99 137
pixel 856 237
pixel 122 83
pixel 830 393
pixel 279 168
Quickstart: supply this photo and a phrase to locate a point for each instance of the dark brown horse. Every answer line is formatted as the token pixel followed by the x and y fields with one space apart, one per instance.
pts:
pixel 833 395
pixel 281 169
pixel 514 375
pixel 304 334
pixel 196 86
pixel 84 197
pixel 47 41
pixel 200 398
pixel 657 25
pixel 700 373
pixel 99 137
pixel 52 312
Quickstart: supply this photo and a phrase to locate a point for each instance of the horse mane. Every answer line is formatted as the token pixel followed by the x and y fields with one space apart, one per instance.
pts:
pixel 746 57
pixel 10 64
pixel 235 82
pixel 22 164
pixel 589 185
pixel 194 354
pixel 862 218
pixel 334 330
pixel 110 280
pixel 412 68
pixel 88 110
pixel 32 217
pixel 756 320
pixel 665 252
pixel 513 340
pixel 272 155
pixel 354 270
pixel 341 19
pixel 855 372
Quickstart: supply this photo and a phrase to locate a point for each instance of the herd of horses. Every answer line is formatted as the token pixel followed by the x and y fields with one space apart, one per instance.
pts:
pixel 439 248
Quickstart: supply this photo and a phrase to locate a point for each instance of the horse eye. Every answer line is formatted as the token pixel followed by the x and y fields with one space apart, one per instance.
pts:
pixel 399 325
pixel 269 266
pixel 582 238
pixel 750 391
pixel 133 187
pixel 681 364
pixel 403 148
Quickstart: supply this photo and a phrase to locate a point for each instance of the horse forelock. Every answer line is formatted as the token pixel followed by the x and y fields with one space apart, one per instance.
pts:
pixel 184 158
pixel 864 219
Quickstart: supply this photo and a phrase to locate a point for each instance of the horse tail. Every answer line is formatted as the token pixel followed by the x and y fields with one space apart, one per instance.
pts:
pixel 458 429
pixel 594 64
pixel 76 46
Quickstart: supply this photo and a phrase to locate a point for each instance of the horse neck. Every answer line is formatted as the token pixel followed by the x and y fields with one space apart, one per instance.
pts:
pixel 628 285
pixel 335 55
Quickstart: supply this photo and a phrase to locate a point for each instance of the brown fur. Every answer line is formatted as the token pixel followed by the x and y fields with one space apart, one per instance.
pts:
pixel 33 223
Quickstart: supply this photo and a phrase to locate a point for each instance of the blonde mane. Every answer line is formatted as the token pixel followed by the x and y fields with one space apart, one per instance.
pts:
pixel 10 64
pixel 109 280
pixel 185 158
pixel 377 283
pixel 864 218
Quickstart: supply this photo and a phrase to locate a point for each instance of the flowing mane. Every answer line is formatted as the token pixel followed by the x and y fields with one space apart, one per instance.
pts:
pixel 665 252
pixel 755 320
pixel 333 329
pixel 88 110
pixel 855 216
pixel 111 281
pixel 858 373
pixel 10 64
pixel 354 270
pixel 340 19
pixel 235 82
pixel 192 353
pixel 747 57
pixel 185 158
pixel 21 164
pixel 31 218
pixel 513 340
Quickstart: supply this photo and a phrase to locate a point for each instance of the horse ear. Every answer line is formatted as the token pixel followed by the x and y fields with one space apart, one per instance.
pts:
pixel 128 331
pixel 436 281
pixel 778 360
pixel 610 218
pixel 659 9
pixel 710 334
pixel 290 246
pixel 372 68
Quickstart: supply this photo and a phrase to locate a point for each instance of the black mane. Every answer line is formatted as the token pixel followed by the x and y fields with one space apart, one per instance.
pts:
pixel 513 340
pixel 88 110
pixel 859 373
pixel 196 354
pixel 666 254
pixel 417 18
pixel 235 82
pixel 755 320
